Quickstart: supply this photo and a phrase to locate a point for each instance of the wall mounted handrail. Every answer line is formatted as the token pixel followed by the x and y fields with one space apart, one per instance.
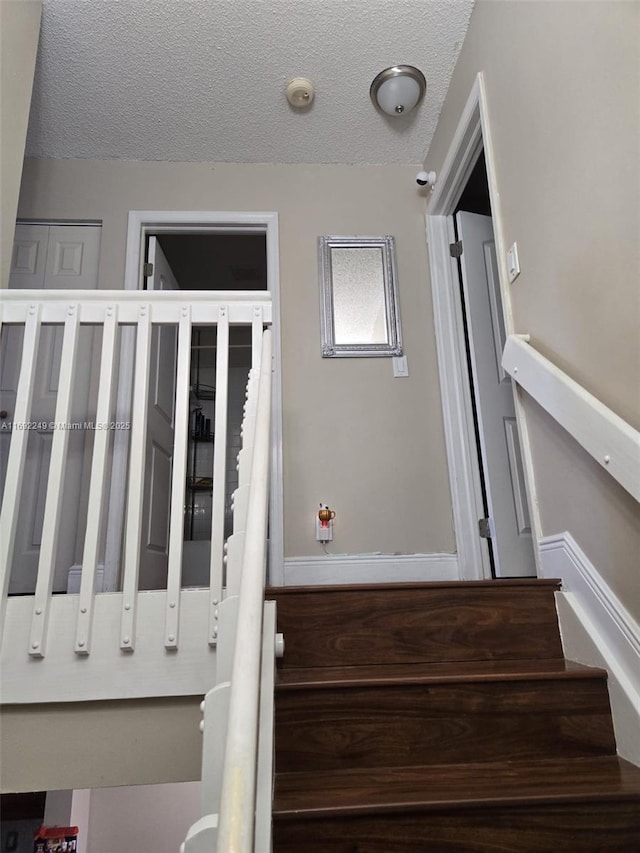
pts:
pixel 238 794
pixel 610 440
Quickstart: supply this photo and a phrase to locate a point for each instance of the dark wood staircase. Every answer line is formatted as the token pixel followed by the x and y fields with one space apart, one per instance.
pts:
pixel 442 717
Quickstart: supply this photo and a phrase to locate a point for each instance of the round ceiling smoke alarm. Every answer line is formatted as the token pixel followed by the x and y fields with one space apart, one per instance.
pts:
pixel 300 92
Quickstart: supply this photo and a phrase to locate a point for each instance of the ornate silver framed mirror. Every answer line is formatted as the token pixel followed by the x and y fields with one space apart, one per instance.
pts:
pixel 359 297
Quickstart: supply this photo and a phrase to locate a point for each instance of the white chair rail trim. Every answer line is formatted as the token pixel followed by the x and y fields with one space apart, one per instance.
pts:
pixel 612 442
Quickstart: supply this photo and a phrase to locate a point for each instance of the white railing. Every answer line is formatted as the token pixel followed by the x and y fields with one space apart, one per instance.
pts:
pixel 238 713
pixel 610 440
pixel 80 639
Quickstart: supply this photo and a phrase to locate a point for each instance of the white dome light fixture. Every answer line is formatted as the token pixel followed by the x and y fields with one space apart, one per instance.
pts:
pixel 398 90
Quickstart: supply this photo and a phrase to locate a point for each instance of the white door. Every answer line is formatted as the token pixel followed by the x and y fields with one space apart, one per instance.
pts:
pixel 56 257
pixel 154 555
pixel 47 257
pixel 509 524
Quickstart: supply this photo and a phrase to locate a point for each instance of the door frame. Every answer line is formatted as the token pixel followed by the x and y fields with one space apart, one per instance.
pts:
pixel 470 138
pixel 146 222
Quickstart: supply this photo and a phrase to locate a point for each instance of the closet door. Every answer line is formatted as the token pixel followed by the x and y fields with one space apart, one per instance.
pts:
pixel 29 257
pixel 72 257
pixel 48 257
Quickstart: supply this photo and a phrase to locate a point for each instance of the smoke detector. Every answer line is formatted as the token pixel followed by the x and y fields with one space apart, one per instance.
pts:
pixel 300 92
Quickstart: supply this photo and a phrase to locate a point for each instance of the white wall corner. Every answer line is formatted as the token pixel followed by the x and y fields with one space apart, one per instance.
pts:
pixel 80 814
pixel 370 568
pixel 597 630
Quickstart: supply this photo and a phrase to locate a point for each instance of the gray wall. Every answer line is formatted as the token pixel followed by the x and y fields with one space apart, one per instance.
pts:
pixel 142 819
pixel 369 445
pixel 98 744
pixel 563 95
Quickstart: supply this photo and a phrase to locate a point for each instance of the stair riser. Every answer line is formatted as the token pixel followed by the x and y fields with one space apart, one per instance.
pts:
pixel 333 729
pixel 588 827
pixel 373 757
pixel 353 628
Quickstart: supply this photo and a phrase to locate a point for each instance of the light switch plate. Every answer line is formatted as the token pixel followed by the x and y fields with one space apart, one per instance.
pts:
pixel 400 366
pixel 513 263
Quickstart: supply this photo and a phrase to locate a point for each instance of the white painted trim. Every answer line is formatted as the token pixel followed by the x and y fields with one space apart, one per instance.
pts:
pixel 612 442
pixel 265 762
pixel 108 673
pixel 464 469
pixel 142 222
pixel 471 136
pixel 462 155
pixel 606 621
pixel 80 811
pixel 370 568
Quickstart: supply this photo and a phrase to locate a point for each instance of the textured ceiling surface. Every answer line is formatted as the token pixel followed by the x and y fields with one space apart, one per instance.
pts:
pixel 204 80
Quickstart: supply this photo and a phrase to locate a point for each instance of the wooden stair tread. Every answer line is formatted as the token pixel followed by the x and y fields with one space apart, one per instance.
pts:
pixel 300 678
pixel 400 789
pixel 494 583
pixel 442 716
pixel 417 623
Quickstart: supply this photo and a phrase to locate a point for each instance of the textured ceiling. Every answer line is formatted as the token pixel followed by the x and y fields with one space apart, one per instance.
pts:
pixel 204 79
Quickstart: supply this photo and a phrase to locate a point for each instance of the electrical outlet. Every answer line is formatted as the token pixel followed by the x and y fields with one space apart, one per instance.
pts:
pixel 324 534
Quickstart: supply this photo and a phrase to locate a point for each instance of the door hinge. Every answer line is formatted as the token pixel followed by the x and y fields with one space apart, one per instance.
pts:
pixel 147 270
pixel 455 249
pixel 484 528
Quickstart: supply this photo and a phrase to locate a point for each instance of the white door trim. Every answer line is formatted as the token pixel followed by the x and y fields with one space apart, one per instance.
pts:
pixel 141 223
pixel 471 137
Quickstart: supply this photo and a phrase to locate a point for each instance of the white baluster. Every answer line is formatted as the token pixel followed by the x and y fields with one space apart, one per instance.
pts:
pixel 137 453
pixel 17 453
pixel 219 464
pixel 97 492
pixel 53 502
pixel 181 436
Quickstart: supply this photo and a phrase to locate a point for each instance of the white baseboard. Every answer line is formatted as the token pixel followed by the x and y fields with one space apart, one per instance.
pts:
pixel 370 568
pixel 610 636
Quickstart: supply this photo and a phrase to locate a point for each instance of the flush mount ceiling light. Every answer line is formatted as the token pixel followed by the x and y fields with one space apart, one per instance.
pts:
pixel 398 90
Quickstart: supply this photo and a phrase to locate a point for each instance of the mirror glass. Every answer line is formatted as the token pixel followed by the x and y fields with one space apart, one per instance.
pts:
pixel 359 297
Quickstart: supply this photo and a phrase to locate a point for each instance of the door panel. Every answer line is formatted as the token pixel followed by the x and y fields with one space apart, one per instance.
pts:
pixel 517 477
pixel 30 521
pixel 158 523
pixel 165 368
pixel 72 257
pixel 499 448
pixel 154 554
pixel 32 502
pixel 495 309
pixel 48 257
pixel 29 257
